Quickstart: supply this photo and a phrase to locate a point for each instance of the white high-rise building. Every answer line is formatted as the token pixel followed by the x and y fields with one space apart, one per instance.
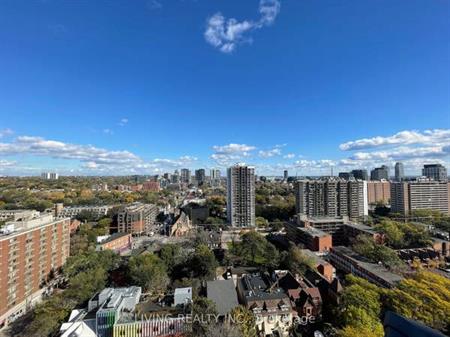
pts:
pixel 49 176
pixel 241 196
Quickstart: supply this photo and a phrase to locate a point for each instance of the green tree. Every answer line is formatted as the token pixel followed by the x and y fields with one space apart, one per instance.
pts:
pixel 149 272
pixel 394 235
pixel 296 261
pixel 376 253
pixel 203 262
pixel 203 316
pixel 360 308
pixel 261 222
pixel 245 320
pixel 255 250
pixel 171 255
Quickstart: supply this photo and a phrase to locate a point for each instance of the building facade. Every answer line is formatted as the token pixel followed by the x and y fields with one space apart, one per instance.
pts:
pixel 185 176
pixel 331 197
pixel 360 174
pixel 436 172
pixel 407 197
pixel 241 196
pixel 343 258
pixel 137 218
pixel 71 212
pixel 118 242
pixel 49 176
pixel 399 172
pixel 30 251
pixel 378 191
pixel 200 176
pixel 380 173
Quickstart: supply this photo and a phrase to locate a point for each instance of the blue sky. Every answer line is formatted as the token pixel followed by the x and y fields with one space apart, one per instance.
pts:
pixel 118 87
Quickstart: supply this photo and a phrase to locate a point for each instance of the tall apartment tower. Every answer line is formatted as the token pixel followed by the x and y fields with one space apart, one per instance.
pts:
pixel 32 248
pixel 285 174
pixel 185 176
pixel 380 173
pixel 360 174
pixel 399 172
pixel 406 197
pixel 200 176
pixel 436 172
pixel 214 174
pixel 331 197
pixel 241 196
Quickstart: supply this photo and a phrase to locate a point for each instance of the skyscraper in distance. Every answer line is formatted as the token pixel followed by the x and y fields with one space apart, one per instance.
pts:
pixel 399 172
pixel 185 176
pixel 380 173
pixel 200 176
pixel 360 174
pixel 286 174
pixel 436 172
pixel 241 195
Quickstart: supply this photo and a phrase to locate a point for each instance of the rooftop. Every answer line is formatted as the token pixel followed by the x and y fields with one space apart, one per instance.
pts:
pixel 223 294
pixel 376 269
pixel 23 225
pixel 258 287
pixel 112 237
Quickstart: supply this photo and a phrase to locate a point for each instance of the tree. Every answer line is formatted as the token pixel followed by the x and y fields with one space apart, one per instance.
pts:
pixel 366 331
pixel 394 235
pixel 255 250
pixel 261 222
pixel 171 255
pixel 296 261
pixel 360 308
pixel 203 316
pixel 245 320
pixel 424 297
pixel 46 317
pixel 149 272
pixel 203 262
pixel 376 253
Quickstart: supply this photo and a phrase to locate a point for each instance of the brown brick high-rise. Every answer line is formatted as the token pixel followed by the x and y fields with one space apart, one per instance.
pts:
pixel 30 251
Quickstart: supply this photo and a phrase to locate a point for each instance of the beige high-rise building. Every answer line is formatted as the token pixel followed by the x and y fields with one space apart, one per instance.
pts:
pixel 241 196
pixel 331 197
pixel 406 197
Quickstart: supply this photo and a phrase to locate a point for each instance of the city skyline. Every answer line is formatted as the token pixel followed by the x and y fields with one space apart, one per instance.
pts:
pixel 428 147
pixel 152 86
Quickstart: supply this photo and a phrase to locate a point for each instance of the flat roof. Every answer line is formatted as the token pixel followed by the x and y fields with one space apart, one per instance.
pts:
pixel 113 237
pixel 374 268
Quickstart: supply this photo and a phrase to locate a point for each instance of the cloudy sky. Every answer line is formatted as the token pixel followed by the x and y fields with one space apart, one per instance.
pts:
pixel 148 86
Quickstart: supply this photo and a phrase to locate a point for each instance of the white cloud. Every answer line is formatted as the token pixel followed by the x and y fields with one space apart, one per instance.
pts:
pixel 90 157
pixel 6 132
pixel 270 153
pixel 269 10
pixel 233 148
pixel 123 122
pixel 427 137
pixel 225 155
pixel 108 131
pixel 226 34
pixel 289 156
pixel 6 163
